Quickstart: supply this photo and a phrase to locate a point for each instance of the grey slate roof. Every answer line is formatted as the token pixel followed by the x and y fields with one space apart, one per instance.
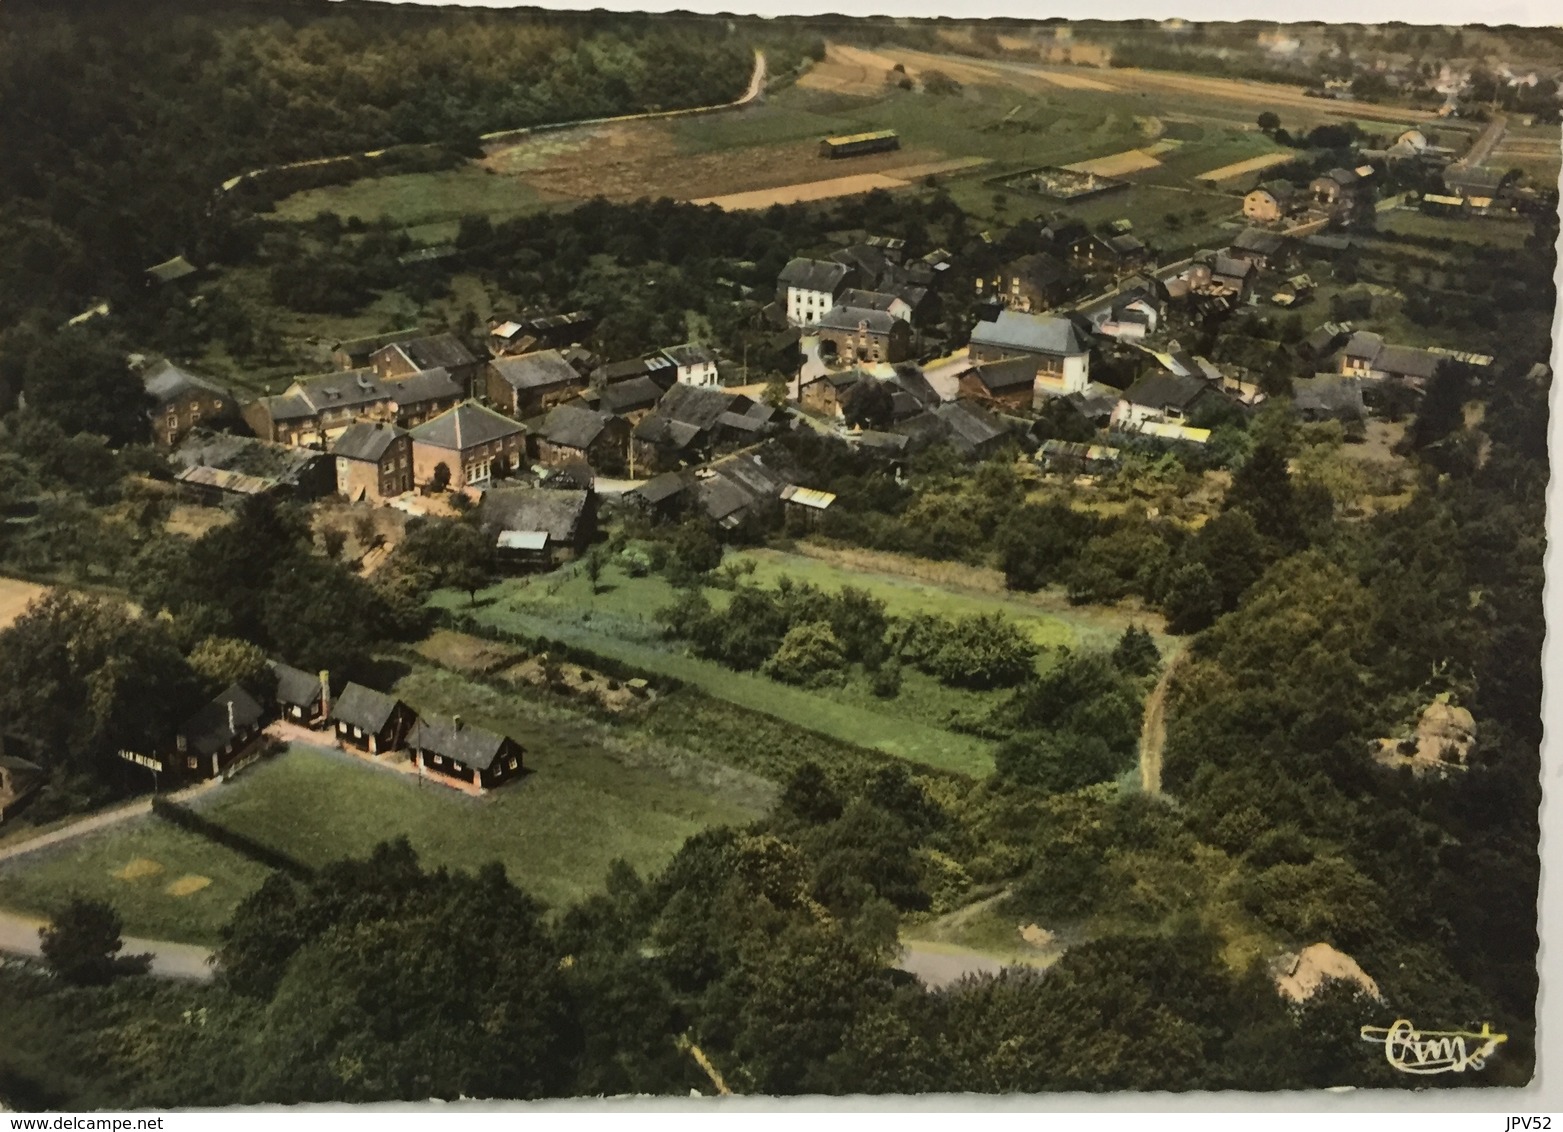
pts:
pixel 867 300
pixel 541 369
pixel 689 355
pixel 363 708
pixel 574 426
pixel 208 730
pixel 1030 334
pixel 348 389
pixel 1328 394
pixel 246 455
pixel 1406 361
pixel 556 510
pixel 425 386
pixel 813 275
pixel 1230 265
pixel 466 426
pixel 851 318
pixel 616 372
pixel 438 351
pixel 1009 374
pixel 475 747
pixel 165 381
pixel 912 379
pixel 662 487
pixel 1166 390
pixel 628 396
pixel 366 440
pixel 970 427
pixel 295 687
pixel 690 406
pixel 1258 240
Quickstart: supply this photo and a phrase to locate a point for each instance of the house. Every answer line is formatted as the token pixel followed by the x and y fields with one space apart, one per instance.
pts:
pixel 912 381
pixel 219 469
pixel 1234 274
pixel 472 444
pixel 373 461
pixel 575 433
pixel 1062 353
pixel 533 330
pixel 538 527
pixel 807 288
pixel 528 385
pixel 1008 384
pixel 751 424
pixel 664 497
pixel 1328 396
pixel 369 720
pixel 1339 191
pixel 19 781
pixel 1476 183
pixel 1261 248
pixel 181 400
pixel 463 755
pixel 301 697
pixel 974 432
pixel 1163 396
pixel 657 368
pixel 854 145
pixel 856 334
pixel 416 355
pixel 1367 355
pixel 826 392
pixel 1128 314
pixel 633 399
pixel 1030 283
pixel 1270 202
pixel 212 739
pixel 693 365
pixel 1325 340
pixel 1072 456
pixel 1114 253
pixel 354 353
pixel 682 429
pixel 893 305
pixel 744 486
pixel 315 410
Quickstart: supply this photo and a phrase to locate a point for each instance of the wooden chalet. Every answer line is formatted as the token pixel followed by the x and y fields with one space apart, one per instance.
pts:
pixel 369 720
pixel 462 755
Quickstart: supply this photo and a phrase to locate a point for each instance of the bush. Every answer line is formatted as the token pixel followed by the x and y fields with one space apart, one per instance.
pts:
pixel 82 945
pixel 810 654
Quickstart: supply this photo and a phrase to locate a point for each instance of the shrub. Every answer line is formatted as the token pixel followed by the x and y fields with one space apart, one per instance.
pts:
pixel 810 654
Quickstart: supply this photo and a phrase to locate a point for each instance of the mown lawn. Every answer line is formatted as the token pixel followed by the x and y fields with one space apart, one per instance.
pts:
pixel 555 831
pixel 149 870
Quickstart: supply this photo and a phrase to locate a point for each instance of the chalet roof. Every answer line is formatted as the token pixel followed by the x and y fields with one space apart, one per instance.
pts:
pixel 813 275
pixel 295 687
pixel 466 426
pixel 471 746
pixel 627 396
pixel 436 351
pixel 842 317
pixel 1031 334
pixel 425 386
pixel 558 511
pixel 366 440
pixel 165 381
pixel 573 426
pixel 363 708
pixel 171 269
pixel 1166 390
pixel 541 369
pixel 689 355
pixel 214 726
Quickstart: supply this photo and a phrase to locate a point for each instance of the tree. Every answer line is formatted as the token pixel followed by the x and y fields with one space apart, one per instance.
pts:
pixel 82 944
pixel 809 654
pixel 1263 488
pixel 593 567
pixel 1269 121
pixel 84 385
pixel 1136 653
pixel 441 478
pixel 939 83
pixel 868 404
pixel 223 661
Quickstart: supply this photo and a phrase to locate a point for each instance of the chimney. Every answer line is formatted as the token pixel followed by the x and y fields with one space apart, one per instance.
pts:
pixel 233 722
pixel 325 692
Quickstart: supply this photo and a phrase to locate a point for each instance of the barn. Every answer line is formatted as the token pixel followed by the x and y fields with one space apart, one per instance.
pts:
pixel 853 145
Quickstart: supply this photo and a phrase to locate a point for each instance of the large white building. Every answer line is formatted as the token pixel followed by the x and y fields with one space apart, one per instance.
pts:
pixel 808 288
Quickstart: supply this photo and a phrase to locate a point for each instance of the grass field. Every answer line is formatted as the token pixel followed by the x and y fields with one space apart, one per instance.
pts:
pixel 418 198
pixel 151 871
pixel 1484 232
pixel 15 596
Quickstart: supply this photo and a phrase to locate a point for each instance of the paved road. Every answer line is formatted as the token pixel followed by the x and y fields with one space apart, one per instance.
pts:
pixel 19 936
pixel 1481 149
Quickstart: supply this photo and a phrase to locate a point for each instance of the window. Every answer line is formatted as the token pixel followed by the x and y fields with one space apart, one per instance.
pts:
pixel 192 762
pixel 358 733
pixel 511 762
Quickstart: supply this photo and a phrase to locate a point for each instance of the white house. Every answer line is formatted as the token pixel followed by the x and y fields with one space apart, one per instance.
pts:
pixel 808 288
pixel 695 364
pixel 1063 354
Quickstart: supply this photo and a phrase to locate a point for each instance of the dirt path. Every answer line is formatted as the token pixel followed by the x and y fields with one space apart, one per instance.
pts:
pixel 1153 732
pixel 102 820
pixel 19 936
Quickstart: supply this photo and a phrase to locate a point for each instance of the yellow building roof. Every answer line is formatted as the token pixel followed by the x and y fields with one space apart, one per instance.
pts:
pixel 871 135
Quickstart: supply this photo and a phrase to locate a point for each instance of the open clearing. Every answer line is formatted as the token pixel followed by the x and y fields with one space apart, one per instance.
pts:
pixel 849 70
pixel 15 596
pixel 1117 164
pixel 1252 165
pixel 898 178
